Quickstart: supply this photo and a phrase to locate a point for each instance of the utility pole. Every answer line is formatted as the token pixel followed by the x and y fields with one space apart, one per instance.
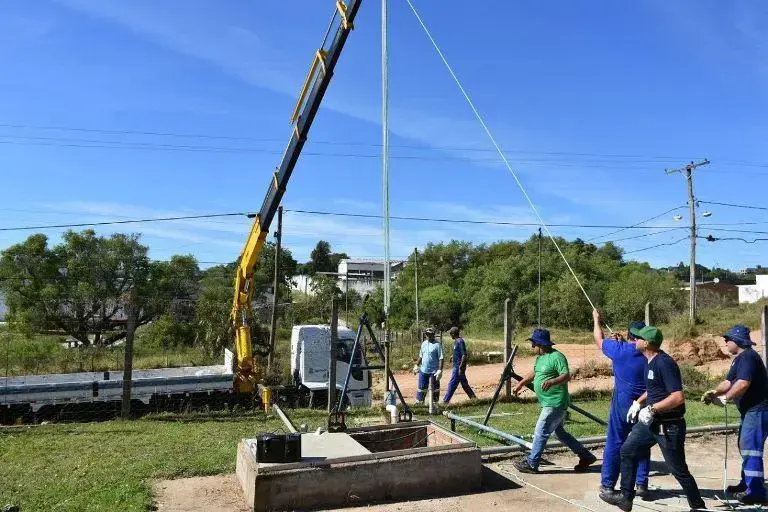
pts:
pixel 275 288
pixel 508 328
pixel 416 278
pixel 333 356
pixel 539 322
pixel 687 171
pixel 130 328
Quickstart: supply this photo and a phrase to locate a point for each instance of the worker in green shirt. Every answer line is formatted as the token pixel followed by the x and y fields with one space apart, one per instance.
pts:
pixel 550 378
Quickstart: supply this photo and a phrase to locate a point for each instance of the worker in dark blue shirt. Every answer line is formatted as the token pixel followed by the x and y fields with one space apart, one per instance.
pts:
pixel 459 375
pixel 747 386
pixel 629 369
pixel 660 421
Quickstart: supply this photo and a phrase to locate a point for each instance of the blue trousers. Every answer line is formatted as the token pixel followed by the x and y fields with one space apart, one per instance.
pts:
pixel 551 420
pixel 459 376
pixel 424 379
pixel 618 430
pixel 752 436
pixel 670 437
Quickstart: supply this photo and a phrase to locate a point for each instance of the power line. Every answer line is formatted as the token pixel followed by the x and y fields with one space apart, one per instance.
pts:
pixel 711 238
pixel 373 216
pixel 750 207
pixel 657 245
pixel 643 235
pixel 641 222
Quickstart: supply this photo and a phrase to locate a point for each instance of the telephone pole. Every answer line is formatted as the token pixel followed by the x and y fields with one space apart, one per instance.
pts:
pixel 687 171
pixel 539 304
pixel 275 285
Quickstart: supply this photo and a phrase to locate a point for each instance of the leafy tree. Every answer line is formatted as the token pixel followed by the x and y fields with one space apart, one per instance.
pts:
pixel 441 307
pixel 628 293
pixel 82 285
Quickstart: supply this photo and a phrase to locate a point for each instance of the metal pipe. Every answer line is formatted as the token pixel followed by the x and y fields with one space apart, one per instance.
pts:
pixel 280 414
pixel 499 450
pixel 491 430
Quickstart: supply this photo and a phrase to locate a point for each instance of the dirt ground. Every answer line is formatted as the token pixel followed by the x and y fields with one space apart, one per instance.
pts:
pixel 485 378
pixel 503 487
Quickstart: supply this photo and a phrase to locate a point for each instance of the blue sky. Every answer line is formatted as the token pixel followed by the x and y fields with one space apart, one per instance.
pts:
pixel 591 100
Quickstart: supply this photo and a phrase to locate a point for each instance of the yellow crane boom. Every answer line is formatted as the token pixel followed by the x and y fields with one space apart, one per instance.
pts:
pixel 311 96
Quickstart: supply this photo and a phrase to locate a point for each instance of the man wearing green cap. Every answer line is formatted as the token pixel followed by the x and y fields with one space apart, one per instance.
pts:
pixel 661 421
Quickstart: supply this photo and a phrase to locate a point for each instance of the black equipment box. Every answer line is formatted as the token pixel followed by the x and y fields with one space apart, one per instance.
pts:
pixel 278 448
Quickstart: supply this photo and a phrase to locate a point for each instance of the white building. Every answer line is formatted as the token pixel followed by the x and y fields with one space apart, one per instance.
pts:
pixel 364 276
pixel 302 283
pixel 751 293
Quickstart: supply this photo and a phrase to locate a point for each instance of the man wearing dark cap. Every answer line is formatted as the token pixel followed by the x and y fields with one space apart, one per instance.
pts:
pixel 550 378
pixel 747 386
pixel 629 369
pixel 459 374
pixel 660 421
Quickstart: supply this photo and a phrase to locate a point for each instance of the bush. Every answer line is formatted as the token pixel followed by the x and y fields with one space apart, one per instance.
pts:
pixel 695 381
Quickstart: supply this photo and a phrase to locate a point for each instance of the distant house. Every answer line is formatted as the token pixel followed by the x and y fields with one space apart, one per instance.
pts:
pixel 364 276
pixel 302 283
pixel 751 293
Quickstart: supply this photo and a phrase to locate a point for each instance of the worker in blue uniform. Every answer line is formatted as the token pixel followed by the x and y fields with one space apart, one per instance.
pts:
pixel 629 369
pixel 429 366
pixel 747 386
pixel 459 375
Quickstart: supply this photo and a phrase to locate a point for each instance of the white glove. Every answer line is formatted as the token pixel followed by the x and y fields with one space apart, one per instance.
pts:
pixel 646 416
pixel 711 397
pixel 415 369
pixel 633 411
pixel 438 374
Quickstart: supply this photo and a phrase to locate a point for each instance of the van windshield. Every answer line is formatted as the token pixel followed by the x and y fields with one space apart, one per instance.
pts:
pixel 344 351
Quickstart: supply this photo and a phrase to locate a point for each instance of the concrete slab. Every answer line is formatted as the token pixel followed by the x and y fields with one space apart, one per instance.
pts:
pixel 390 462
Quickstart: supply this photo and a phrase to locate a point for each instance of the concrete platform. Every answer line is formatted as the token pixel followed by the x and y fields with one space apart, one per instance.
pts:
pixel 363 465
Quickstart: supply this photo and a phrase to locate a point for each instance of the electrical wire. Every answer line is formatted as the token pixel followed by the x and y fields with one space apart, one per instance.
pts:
pixel 750 207
pixel 658 245
pixel 641 222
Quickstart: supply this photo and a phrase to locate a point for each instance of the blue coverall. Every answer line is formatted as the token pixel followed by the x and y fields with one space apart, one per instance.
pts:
pixel 753 406
pixel 629 369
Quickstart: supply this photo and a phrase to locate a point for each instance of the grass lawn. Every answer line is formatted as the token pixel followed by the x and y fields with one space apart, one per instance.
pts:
pixel 108 466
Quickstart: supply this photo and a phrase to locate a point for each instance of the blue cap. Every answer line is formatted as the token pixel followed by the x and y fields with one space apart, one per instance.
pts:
pixel 637 325
pixel 541 337
pixel 739 334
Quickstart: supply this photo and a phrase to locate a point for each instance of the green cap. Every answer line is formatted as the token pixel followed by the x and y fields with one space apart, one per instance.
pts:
pixel 648 333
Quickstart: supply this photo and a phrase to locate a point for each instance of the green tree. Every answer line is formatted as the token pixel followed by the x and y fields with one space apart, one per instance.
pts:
pixel 81 286
pixel 637 284
pixel 441 306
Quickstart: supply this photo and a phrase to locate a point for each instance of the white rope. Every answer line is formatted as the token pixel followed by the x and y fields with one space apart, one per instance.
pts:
pixel 498 149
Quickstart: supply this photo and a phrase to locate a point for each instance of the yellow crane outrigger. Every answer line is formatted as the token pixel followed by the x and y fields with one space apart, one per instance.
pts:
pixel 311 96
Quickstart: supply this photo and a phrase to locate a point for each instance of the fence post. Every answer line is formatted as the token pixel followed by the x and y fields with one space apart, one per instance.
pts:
pixel 648 313
pixel 764 333
pixel 332 359
pixel 507 344
pixel 130 329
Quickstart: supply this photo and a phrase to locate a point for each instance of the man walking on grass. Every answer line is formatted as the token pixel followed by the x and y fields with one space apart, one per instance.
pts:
pixel 747 386
pixel 660 421
pixel 629 369
pixel 550 378
pixel 429 366
pixel 459 374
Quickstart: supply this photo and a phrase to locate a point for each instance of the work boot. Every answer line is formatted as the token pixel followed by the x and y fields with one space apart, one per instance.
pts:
pixel 524 467
pixel 607 490
pixel 750 499
pixel 735 489
pixel 641 491
pixel 617 499
pixel 584 463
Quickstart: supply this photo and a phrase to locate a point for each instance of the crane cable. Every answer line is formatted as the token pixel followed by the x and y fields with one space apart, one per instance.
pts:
pixel 500 152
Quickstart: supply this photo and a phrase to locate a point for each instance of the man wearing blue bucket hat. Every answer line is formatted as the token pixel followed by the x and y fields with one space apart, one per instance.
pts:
pixel 550 378
pixel 747 386
pixel 629 368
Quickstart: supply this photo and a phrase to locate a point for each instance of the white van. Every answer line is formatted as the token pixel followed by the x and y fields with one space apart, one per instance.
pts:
pixel 310 349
